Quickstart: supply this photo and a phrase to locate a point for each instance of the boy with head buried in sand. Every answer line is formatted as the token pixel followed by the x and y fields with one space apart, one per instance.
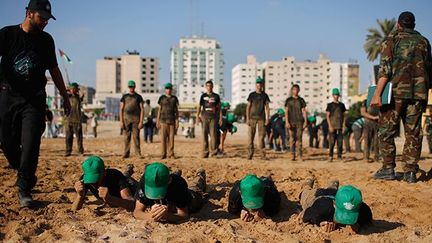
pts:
pixel 165 197
pixel 254 198
pixel 333 206
pixel 108 185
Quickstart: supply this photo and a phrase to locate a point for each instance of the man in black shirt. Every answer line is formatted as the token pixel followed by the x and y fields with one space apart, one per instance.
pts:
pixel 257 116
pixel 330 207
pixel 165 197
pixel 254 198
pixel 26 53
pixel 108 185
pixel 210 109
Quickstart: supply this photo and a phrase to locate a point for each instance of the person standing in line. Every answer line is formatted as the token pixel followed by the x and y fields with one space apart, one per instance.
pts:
pixel 26 52
pixel 94 124
pixel 335 118
pixel 296 121
pixel 168 121
pixel 210 115
pixel 357 128
pixel 148 122
pixel 49 117
pixel 73 121
pixel 406 62
pixel 257 116
pixel 131 119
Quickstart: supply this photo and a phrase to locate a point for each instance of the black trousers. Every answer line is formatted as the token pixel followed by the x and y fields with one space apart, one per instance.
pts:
pixel 336 137
pixel 22 123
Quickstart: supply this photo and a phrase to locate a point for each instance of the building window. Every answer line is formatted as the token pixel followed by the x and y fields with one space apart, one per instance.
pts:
pixel 152 60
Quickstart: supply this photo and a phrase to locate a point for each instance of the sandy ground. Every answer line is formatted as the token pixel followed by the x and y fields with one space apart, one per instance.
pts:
pixel 402 212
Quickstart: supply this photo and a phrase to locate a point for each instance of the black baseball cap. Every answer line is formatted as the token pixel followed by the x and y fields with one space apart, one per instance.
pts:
pixel 406 19
pixel 43 7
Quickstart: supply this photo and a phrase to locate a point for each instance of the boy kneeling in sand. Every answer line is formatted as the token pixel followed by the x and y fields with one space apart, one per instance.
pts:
pixel 331 207
pixel 165 197
pixel 254 198
pixel 108 185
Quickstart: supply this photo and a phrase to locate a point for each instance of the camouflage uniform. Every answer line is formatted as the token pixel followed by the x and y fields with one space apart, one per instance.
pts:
pixel 406 62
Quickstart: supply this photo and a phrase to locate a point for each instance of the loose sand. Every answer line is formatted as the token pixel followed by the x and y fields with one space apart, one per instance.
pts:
pixel 402 212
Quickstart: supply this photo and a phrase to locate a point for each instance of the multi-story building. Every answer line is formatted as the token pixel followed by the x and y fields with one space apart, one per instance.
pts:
pixel 193 62
pixel 315 78
pixel 243 80
pixel 113 74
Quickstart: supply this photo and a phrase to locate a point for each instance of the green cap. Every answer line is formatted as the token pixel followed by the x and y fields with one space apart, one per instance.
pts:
pixel 131 83
pixel 335 91
pixel 281 111
pixel 168 86
pixel 225 104
pixel 312 119
pixel 259 80
pixel 230 118
pixel 73 85
pixel 347 205
pixel 252 192
pixel 234 129
pixel 156 177
pixel 93 168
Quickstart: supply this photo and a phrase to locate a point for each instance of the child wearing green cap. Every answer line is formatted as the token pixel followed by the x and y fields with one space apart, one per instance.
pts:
pixel 278 130
pixel 254 198
pixel 335 118
pixel 333 206
pixel 167 120
pixel 313 132
pixel 108 185
pixel 165 197
pixel 73 120
pixel 131 119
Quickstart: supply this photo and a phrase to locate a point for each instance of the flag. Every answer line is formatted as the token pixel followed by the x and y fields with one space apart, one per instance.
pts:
pixel 67 59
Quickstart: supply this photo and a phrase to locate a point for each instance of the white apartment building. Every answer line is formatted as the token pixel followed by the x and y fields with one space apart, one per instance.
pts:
pixel 243 80
pixel 315 78
pixel 113 74
pixel 193 62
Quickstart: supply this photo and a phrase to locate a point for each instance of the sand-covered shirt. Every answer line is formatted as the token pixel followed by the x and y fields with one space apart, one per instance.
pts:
pixel 337 110
pixel 258 102
pixel 168 109
pixel 132 106
pixel 295 109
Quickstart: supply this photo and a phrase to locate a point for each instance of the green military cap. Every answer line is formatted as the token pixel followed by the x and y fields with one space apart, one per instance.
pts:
pixel 281 111
pixel 252 192
pixel 230 118
pixel 156 178
pixel 73 85
pixel 131 83
pixel 259 80
pixel 335 91
pixel 168 86
pixel 312 119
pixel 93 168
pixel 347 205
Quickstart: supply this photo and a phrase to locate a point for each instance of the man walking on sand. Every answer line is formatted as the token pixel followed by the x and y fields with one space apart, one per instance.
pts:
pixel 406 63
pixel 167 121
pixel 26 53
pixel 131 119
pixel 257 115
pixel 210 115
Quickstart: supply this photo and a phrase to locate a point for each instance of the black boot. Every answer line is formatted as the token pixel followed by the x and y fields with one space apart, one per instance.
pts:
pixel 385 174
pixel 410 177
pixel 25 199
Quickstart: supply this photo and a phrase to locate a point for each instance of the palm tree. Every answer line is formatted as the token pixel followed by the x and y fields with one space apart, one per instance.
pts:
pixel 377 36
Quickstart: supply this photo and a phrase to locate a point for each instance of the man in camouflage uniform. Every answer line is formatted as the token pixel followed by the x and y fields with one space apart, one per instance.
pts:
pixel 406 62
pixel 131 119
pixel 73 120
